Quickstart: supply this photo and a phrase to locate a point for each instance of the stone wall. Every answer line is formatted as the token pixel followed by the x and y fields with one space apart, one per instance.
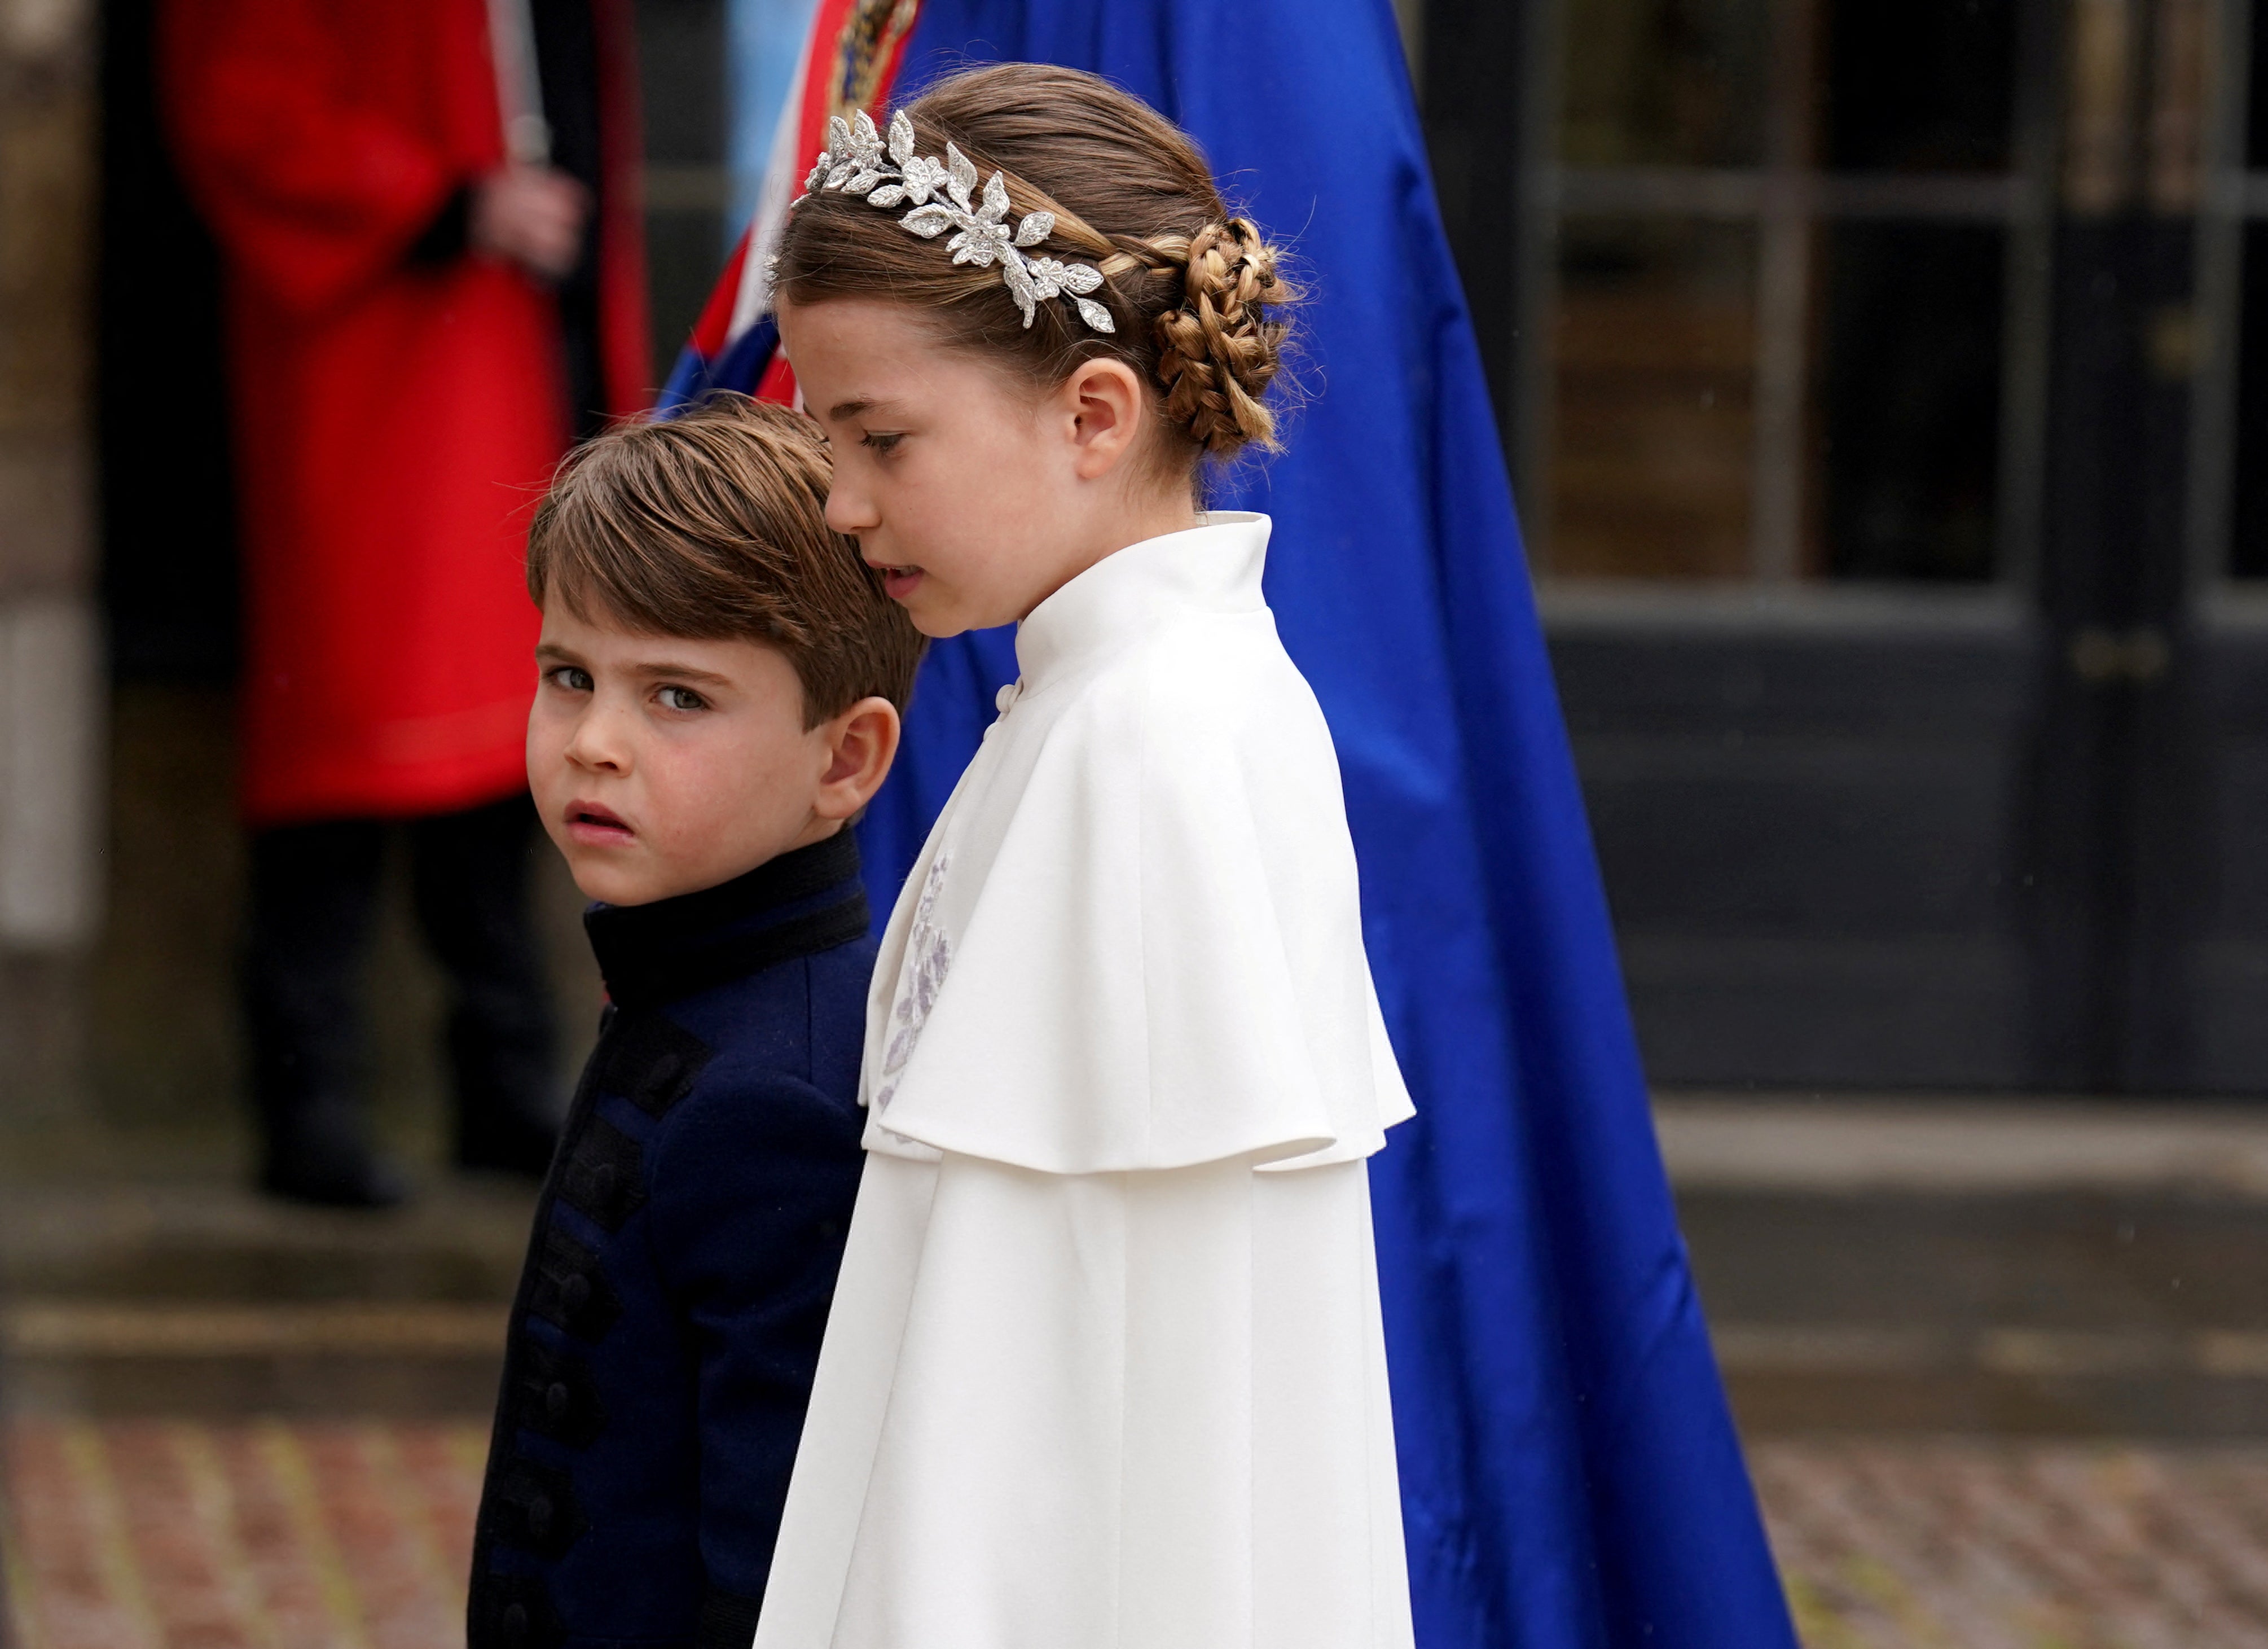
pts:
pixel 50 680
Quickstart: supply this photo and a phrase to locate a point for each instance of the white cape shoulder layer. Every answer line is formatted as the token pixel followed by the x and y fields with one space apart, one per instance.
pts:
pixel 1105 1364
pixel 1155 957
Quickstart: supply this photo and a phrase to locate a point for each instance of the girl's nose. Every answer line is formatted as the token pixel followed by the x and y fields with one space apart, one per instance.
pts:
pixel 850 511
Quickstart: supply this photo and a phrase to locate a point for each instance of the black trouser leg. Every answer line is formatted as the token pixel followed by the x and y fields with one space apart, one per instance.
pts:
pixel 469 879
pixel 314 888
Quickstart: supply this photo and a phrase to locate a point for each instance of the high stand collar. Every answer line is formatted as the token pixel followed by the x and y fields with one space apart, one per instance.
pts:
pixel 803 902
pixel 1213 567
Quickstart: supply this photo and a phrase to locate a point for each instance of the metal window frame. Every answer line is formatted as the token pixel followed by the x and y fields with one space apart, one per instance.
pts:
pixel 2231 200
pixel 1789 198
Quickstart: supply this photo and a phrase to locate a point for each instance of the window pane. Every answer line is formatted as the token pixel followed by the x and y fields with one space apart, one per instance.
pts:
pixel 1655 356
pixel 1664 82
pixel 1911 398
pixel 1920 85
pixel 2249 550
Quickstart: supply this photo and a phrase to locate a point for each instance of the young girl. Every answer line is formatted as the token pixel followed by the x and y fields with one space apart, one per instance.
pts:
pixel 1105 1369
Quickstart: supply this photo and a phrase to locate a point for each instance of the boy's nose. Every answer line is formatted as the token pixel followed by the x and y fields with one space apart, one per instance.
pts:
pixel 594 744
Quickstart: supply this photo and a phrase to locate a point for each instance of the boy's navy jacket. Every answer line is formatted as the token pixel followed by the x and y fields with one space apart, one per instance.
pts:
pixel 667 1325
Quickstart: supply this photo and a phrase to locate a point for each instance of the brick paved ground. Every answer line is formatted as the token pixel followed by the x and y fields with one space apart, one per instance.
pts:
pixel 1910 1544
pixel 153 1534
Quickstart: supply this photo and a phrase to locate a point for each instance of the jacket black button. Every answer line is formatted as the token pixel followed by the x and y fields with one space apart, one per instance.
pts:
pixel 575 1292
pixel 514 1623
pixel 555 1399
pixel 602 1182
pixel 539 1516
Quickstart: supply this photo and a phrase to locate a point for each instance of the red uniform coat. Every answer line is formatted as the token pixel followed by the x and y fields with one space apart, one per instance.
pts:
pixel 394 424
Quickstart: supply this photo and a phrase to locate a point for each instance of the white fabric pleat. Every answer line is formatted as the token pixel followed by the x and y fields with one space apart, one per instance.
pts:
pixel 1140 1411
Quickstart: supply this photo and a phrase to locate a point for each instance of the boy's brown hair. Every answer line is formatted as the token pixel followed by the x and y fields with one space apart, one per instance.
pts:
pixel 713 525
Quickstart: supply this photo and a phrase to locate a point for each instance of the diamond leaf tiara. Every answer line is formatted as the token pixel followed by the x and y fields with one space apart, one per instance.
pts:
pixel 943 194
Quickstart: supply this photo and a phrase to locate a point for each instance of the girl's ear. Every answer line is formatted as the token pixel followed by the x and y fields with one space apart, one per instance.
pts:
pixel 861 743
pixel 1104 400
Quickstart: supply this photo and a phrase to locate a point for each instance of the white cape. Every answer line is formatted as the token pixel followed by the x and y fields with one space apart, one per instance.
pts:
pixel 1105 1365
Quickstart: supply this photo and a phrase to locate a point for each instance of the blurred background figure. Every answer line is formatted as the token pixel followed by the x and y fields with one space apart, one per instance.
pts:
pixel 426 214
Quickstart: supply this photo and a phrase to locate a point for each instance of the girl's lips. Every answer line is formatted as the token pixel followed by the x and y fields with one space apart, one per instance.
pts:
pixel 898 581
pixel 598 827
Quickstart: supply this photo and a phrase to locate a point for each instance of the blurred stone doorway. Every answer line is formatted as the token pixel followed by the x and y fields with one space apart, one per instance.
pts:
pixel 1894 460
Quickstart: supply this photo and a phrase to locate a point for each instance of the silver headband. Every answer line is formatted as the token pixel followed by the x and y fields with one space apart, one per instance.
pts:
pixel 854 162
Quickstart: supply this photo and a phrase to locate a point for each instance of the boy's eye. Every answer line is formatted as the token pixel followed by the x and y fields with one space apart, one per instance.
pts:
pixel 571 677
pixel 682 698
pixel 883 444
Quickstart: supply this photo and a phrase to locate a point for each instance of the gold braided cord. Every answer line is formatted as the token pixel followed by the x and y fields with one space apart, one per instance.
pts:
pixel 869 35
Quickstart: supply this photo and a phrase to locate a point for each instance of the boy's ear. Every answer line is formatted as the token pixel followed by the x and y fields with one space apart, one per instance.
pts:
pixel 1104 400
pixel 861 744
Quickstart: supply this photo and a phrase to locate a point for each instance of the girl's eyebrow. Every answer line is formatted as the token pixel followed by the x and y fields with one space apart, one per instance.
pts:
pixel 843 410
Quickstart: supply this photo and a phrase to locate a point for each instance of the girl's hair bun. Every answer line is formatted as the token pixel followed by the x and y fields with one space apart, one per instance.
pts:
pixel 1218 350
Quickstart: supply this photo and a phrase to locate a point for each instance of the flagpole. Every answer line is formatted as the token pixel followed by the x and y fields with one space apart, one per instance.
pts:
pixel 781 174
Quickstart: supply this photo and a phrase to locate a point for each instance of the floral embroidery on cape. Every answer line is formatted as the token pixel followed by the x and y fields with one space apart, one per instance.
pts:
pixel 921 975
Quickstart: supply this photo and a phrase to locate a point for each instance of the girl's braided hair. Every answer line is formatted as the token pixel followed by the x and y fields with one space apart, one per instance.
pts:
pixel 1195 291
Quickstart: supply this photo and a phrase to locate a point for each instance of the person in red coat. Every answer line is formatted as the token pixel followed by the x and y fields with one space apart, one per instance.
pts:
pixel 421 317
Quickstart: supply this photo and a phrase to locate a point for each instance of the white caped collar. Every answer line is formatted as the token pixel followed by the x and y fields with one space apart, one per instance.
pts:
pixel 1215 567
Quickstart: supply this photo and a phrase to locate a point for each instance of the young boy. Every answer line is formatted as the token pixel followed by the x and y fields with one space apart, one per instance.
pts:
pixel 720 684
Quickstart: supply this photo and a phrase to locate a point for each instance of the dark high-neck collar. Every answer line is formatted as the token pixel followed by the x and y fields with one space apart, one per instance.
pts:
pixel 802 902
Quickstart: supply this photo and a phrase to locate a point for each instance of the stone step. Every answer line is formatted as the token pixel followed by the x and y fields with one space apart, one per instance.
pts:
pixel 2012 1267
pixel 210 1239
pixel 191 1295
pixel 2007 1267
